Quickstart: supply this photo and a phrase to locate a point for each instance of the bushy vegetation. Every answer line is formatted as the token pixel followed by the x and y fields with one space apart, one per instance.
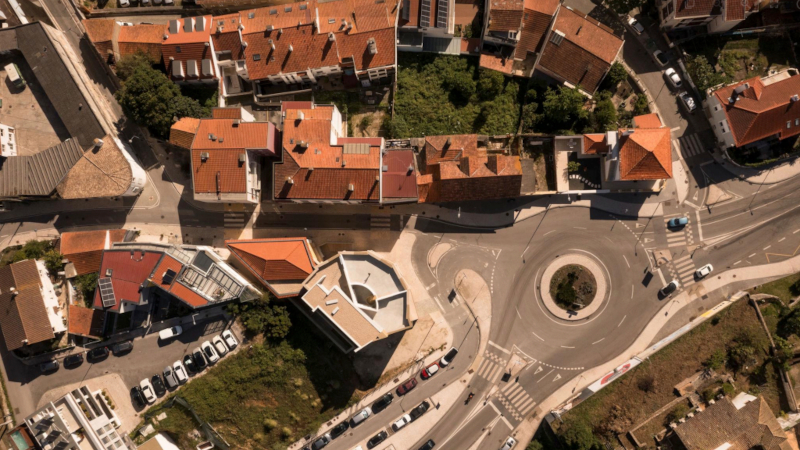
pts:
pixel 151 99
pixel 44 250
pixel 86 284
pixel 442 94
pixel 261 316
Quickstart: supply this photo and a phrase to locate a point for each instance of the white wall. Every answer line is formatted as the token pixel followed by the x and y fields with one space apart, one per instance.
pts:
pixel 719 122
pixel 138 175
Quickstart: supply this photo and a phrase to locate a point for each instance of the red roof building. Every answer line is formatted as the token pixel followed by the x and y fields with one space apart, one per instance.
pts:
pixel 756 109
pixel 144 38
pixel 103 33
pixel 84 249
pixel 281 264
pixel 187 50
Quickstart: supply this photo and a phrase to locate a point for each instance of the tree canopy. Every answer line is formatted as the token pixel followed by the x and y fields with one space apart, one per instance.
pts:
pixel 702 73
pixel 261 316
pixel 564 105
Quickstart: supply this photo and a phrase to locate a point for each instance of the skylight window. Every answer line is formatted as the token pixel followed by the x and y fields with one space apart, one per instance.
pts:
pixel 257 57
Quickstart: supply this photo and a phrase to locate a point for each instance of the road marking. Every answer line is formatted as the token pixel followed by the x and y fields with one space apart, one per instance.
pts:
pixel 436 297
pixel 737 262
pixel 632 288
pixel 661 275
pixel 699 226
pixel 646 240
pixel 766 247
pixel 518 314
pixel 795 231
pixel 687 202
pixel 626 261
pixel 429 287
pixel 782 239
pixel 752 255
pixel 566 346
pixel 549 232
pixel 538 369
pixel 623 320
pixel 558 377
pixel 597 342
pixel 537 336
pixel 546 375
pixel 579 228
pixel 499 348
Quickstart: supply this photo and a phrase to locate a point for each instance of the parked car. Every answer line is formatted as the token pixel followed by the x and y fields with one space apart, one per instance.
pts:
pixel 230 339
pixel 158 385
pixel 673 77
pixel 637 27
pixel 73 360
pixel 419 410
pixel 382 403
pixel 669 288
pixel 428 445
pixel 49 366
pixel 137 396
pixel 377 439
pixel 688 101
pixel 209 352
pixel 321 442
pixel 448 357
pixel 220 346
pixel 200 362
pixel 339 430
pixel 429 371
pixel 97 354
pixel 147 390
pixel 169 377
pixel 168 3
pixel 704 271
pixel 510 443
pixel 188 364
pixel 361 416
pixel 124 3
pixel 660 56
pixel 401 422
pixel 144 3
pixel 122 348
pixel 676 222
pixel 157 2
pixel 180 372
pixel 407 386
pixel 168 333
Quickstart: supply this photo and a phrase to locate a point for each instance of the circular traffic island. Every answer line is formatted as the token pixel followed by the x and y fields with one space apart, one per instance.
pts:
pixel 573 287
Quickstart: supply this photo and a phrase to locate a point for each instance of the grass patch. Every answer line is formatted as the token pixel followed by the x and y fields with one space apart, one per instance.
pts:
pixel 179 425
pixel 737 59
pixel 785 288
pixel 629 401
pixel 271 394
pixel 347 102
pixel 443 94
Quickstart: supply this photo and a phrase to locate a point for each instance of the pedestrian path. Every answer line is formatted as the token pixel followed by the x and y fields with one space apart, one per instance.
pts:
pixel 683 269
pixel 679 238
pixel 491 367
pixel 688 145
pixel 516 400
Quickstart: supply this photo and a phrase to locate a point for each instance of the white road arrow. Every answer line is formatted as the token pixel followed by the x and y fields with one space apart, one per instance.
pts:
pixel 639 225
pixel 646 240
pixel 558 377
pixel 538 369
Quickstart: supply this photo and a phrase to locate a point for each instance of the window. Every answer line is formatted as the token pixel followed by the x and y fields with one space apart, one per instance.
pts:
pixel 177 49
pixel 251 15
pixel 303 7
pixel 796 122
pixel 331 20
pixel 788 124
pixel 287 9
pixel 257 57
pixel 273 11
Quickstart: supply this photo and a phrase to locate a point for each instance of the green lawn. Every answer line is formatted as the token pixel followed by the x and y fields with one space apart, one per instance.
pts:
pixel 273 394
pixel 443 94
pixel 785 288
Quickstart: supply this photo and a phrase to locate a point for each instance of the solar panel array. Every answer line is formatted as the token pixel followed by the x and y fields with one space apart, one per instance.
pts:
pixel 169 275
pixel 106 292
pixel 425 13
pixel 441 14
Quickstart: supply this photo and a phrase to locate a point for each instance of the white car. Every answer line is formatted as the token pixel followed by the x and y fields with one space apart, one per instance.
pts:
pixel 147 390
pixel 704 271
pixel 210 353
pixel 230 339
pixel 510 443
pixel 157 2
pixel 673 77
pixel 637 27
pixel 180 372
pixel 171 332
pixel 660 56
pixel 169 377
pixel 219 346
pixel 124 3
pixel 403 421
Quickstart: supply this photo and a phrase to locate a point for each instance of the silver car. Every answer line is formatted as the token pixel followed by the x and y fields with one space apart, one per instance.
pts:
pixel 169 377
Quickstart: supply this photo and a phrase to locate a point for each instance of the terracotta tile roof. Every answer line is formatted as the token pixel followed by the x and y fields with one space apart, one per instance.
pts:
pixel 289 15
pixel 99 30
pixel 363 15
pixel 86 322
pixel 588 34
pixel 647 121
pixel 696 8
pixel 356 46
pixel 505 15
pixel 594 144
pixel 102 173
pixel 142 38
pixel 188 296
pixel 534 28
pixel 222 165
pixel 191 46
pixel 547 7
pixel 461 145
pixel 333 184
pixel 752 426
pixel 490 61
pixel 472 178
pixel 183 131
pixel 296 105
pixel 471 45
pixel 22 316
pixel 398 181
pixel 167 263
pixel 309 50
pixel 129 269
pixel 645 154
pixel 84 249
pixel 228 135
pixel 413 13
pixel 234 112
pixel 225 35
pixel 762 111
pixel 271 260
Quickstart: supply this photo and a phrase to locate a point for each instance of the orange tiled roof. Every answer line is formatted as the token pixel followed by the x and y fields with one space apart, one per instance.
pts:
pixel 331 184
pixel 534 28
pixel 308 50
pixel 167 263
pixel 189 46
pixel 85 321
pixel 188 296
pixel 647 121
pixel 761 111
pixel 226 113
pixel 505 15
pixel 472 178
pixel 229 135
pixel 547 7
pixel 645 154
pixel 289 15
pixel 183 131
pixel 437 150
pixel 99 30
pixel 588 34
pixel 356 46
pixel 594 144
pixel 413 14
pixel 222 166
pixel 504 65
pixel 697 8
pixel 143 33
pixel 279 259
pixel 84 249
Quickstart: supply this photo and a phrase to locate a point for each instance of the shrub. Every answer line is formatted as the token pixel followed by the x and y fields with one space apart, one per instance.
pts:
pixel 709 394
pixel 564 105
pixel 33 250
pixel 647 382
pixel 641 106
pixel 529 117
pixel 703 75
pixel 270 424
pixel 616 74
pixel 461 83
pixel 286 432
pixel 129 63
pixel 54 261
pixel 716 361
pixel 678 412
pixel 86 284
pixel 579 436
pixel 260 316
pixel 490 84
pixel 573 166
pixel 728 389
pixel 606 115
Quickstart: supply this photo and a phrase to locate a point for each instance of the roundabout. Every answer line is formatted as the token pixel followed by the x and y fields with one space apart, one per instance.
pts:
pixel 567 302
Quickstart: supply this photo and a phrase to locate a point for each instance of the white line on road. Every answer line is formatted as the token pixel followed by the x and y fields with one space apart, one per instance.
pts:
pixel 632 287
pixel 545 375
pixel 782 239
pixel 566 346
pixel 661 275
pixel 429 287
pixel 766 247
pixel 626 261
pixel 436 297
pixel 498 347
pixel 795 231
pixel 699 226
pixel 597 342
pixel 537 336
pixel 687 202
pixel 737 262
pixel 623 320
pixel 549 232
pixel 579 228
pixel 518 314
pixel 752 255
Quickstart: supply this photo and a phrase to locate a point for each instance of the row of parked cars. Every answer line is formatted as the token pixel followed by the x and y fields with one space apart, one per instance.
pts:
pixel 384 402
pixel 179 372
pixel 94 355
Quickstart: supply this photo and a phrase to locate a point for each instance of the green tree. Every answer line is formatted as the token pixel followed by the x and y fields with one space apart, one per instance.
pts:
pixel 741 355
pixel 152 100
pixel 261 316
pixel 605 114
pixel 702 73
pixel 129 63
pixel 616 74
pixel 573 166
pixel 716 361
pixel 784 351
pixel 563 105
pixel 461 83
pixel 86 284
pixel 534 445
pixel 624 6
pixel 530 117
pixel 678 412
pixel 396 127
pixel 641 106
pixel 578 436
pixel 54 261
pixel 33 250
pixel 490 84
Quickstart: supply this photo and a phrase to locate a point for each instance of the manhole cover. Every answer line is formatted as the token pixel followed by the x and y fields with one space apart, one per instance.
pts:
pixel 705 297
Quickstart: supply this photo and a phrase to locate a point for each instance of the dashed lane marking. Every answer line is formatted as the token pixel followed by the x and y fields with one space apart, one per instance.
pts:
pixel 597 342
pixel 626 261
pixel 751 255
pixel 766 247
pixel 566 346
pixel 782 239
pixel 737 262
pixel 431 285
pixel 499 348
pixel 623 320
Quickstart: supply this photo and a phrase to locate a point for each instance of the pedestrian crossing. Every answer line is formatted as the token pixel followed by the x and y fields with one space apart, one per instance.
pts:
pixel 683 269
pixel 235 219
pixel 491 367
pixel 679 238
pixel 378 222
pixel 516 400
pixel 688 145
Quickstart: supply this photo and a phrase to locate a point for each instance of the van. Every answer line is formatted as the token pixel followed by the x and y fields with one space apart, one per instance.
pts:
pixel 361 416
pixel 14 75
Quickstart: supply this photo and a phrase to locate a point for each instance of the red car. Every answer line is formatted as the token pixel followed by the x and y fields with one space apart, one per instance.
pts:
pixel 407 386
pixel 429 371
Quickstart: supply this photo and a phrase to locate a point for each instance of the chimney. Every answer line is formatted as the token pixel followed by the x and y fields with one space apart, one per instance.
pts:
pixel 236 122
pixel 207 44
pixel 241 27
pixel 449 142
pixel 344 24
pixel 290 48
pixel 795 98
pixel 271 44
pixel 203 156
pixel 300 115
pixel 25 342
pixel 242 159
pixel 97 144
pixel 331 37
pixel 350 187
pixel 344 163
pixel 302 144
pixel 289 180
pixel 372 46
pixel 165 36
pixel 270 27
pixel 410 169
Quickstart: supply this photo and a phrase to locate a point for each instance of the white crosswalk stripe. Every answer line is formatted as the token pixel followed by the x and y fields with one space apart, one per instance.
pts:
pixel 491 367
pixel 688 145
pixel 516 400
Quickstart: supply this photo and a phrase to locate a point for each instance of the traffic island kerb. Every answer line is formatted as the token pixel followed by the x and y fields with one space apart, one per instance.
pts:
pixel 601 291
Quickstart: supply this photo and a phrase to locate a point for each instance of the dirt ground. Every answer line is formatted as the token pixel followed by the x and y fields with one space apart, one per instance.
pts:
pixel 29 111
pixel 374 127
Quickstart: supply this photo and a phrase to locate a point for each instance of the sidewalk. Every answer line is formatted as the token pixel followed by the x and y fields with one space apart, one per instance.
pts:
pixel 781 172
